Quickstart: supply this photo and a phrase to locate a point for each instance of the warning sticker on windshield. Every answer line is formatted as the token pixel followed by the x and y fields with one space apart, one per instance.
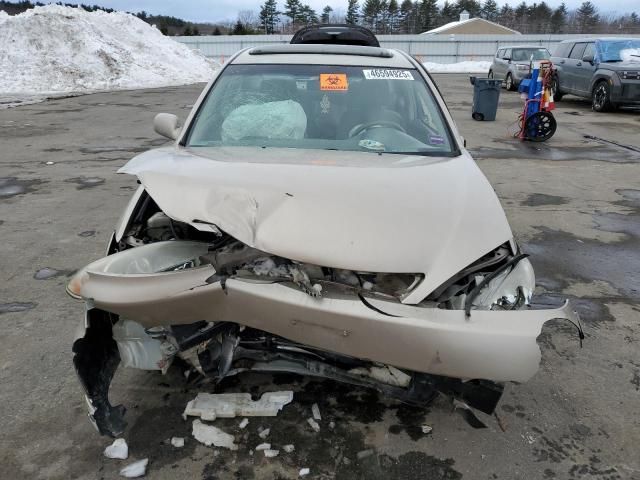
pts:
pixel 385 74
pixel 334 81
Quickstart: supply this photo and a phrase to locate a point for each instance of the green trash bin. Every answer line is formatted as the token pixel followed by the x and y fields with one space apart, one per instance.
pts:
pixel 486 93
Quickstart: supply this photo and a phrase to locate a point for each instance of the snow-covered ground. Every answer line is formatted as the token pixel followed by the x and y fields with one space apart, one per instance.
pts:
pixel 460 67
pixel 54 50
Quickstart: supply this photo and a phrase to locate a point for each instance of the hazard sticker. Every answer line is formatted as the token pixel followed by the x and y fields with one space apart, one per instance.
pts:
pixel 387 74
pixel 334 81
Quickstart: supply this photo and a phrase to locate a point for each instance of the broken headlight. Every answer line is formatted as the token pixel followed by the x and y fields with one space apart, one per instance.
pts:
pixel 509 290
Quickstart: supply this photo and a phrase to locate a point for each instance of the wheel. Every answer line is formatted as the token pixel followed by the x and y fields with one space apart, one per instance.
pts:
pixel 540 127
pixel 601 97
pixel 477 116
pixel 508 82
pixel 555 88
pixel 490 74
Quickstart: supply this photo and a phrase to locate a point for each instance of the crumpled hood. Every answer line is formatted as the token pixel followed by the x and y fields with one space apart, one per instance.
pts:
pixel 353 210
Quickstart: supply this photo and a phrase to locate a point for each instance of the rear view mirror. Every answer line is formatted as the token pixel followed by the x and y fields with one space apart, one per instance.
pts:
pixel 166 124
pixel 588 58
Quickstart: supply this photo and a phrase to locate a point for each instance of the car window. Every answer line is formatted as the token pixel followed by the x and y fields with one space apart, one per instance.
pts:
pixel 528 54
pixel 589 50
pixel 507 53
pixel 563 49
pixel 500 53
pixel 577 50
pixel 322 107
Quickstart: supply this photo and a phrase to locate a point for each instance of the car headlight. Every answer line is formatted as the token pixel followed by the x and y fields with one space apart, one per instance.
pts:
pixel 630 74
pixel 508 291
pixel 523 67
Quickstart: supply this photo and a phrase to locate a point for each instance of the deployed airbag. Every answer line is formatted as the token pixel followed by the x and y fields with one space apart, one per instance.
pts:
pixel 275 120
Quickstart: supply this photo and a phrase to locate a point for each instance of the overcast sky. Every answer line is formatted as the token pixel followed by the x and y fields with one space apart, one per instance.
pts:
pixel 219 10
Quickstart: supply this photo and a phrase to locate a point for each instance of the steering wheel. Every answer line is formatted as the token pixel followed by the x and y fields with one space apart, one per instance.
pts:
pixel 358 129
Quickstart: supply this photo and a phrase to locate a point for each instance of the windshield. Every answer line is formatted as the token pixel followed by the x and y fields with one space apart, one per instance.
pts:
pixel 528 54
pixel 322 107
pixel 619 50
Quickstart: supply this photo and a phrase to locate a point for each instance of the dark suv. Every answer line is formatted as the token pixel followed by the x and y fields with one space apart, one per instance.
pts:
pixel 606 70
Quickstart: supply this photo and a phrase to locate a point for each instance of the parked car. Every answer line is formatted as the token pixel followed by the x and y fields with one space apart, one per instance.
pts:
pixel 605 70
pixel 317 213
pixel 512 64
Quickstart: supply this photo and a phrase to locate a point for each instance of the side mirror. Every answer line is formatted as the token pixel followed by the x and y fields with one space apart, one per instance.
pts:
pixel 166 124
pixel 507 59
pixel 588 58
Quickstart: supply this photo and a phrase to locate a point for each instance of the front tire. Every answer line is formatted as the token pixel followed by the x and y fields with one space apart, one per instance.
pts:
pixel 555 88
pixel 508 82
pixel 601 97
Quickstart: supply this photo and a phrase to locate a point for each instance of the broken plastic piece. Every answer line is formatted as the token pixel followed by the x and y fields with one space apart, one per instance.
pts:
pixel 303 472
pixel 210 435
pixel 210 406
pixel 118 449
pixel 271 453
pixel 264 433
pixel 244 423
pixel 313 424
pixel 135 469
pixel 177 442
pixel 468 414
pixel 364 453
pixel 385 374
pixel 332 425
pixel 263 446
pixel 426 429
pixel 315 411
pixel 289 448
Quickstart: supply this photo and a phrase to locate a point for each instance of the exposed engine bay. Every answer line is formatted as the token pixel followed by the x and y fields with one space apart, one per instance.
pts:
pixel 502 280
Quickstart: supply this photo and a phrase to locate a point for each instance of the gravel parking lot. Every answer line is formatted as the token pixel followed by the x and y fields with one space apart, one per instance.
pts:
pixel 573 203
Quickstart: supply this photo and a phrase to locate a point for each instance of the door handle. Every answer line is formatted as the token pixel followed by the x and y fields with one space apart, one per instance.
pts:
pixel 579 64
pixel 562 62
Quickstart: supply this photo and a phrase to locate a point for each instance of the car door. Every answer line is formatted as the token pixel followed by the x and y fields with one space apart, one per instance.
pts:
pixel 572 68
pixel 497 64
pixel 504 65
pixel 584 70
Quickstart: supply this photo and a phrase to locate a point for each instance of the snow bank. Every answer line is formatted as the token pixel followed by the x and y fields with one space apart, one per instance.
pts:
pixel 55 49
pixel 460 67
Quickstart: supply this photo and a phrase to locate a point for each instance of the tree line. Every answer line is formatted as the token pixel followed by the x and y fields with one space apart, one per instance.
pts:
pixel 388 17
pixel 417 16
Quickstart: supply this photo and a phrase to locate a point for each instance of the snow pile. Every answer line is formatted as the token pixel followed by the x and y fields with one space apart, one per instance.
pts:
pixel 55 49
pixel 460 67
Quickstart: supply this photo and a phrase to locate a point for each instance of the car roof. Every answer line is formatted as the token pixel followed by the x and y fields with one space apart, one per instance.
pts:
pixel 320 54
pixel 593 39
pixel 522 46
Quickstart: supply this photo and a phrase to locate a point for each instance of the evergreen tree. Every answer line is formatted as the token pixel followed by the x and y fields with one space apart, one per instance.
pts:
pixel 507 16
pixel 473 7
pixel 393 12
pixel 187 31
pixel 352 12
pixel 489 10
pixel 269 16
pixel 586 17
pixel 558 19
pixel 407 19
pixel 292 10
pixel 308 15
pixel 521 14
pixel 216 31
pixel 195 31
pixel 428 12
pixel 449 13
pixel 326 14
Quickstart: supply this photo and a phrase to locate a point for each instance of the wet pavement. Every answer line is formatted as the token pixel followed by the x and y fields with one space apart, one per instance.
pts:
pixel 573 203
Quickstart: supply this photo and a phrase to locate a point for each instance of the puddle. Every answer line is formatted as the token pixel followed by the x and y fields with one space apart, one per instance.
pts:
pixel 14 307
pixel 525 150
pixel 12 186
pixel 540 199
pixel 87 233
pixel 86 182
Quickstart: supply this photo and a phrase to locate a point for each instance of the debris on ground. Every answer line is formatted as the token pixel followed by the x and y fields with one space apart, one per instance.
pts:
pixel 135 469
pixel 468 414
pixel 263 446
pixel 364 453
pixel 209 406
pixel 384 374
pixel 244 423
pixel 315 411
pixel 177 442
pixel 426 429
pixel 210 435
pixel 269 453
pixel 332 425
pixel 303 472
pixel 118 449
pixel 313 424
pixel 501 423
pixel 264 433
pixel 289 448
